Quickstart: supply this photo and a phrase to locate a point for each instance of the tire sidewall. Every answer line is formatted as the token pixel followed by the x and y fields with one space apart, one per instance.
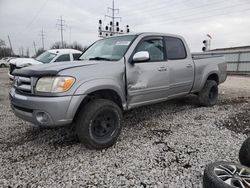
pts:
pixel 244 153
pixel 84 123
pixel 114 133
pixel 204 94
pixel 210 179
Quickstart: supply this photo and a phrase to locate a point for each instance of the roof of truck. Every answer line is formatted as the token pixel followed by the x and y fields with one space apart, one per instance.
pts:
pixel 62 51
pixel 149 33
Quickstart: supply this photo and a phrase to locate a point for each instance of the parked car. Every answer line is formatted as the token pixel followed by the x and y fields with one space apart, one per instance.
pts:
pixel 49 56
pixel 114 75
pixel 4 62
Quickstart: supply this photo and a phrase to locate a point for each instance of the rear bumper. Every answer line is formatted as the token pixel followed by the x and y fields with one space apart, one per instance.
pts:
pixel 54 111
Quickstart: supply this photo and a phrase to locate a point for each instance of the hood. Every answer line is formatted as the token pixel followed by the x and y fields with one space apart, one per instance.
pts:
pixel 52 69
pixel 24 62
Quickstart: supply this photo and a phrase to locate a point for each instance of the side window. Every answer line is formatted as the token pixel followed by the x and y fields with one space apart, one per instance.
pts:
pixel 154 47
pixel 175 48
pixel 76 56
pixel 64 57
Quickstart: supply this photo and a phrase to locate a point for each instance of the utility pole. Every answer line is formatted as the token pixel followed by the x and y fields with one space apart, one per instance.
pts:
pixel 113 17
pixel 34 44
pixel 113 27
pixel 22 51
pixel 10 45
pixel 42 34
pixel 62 25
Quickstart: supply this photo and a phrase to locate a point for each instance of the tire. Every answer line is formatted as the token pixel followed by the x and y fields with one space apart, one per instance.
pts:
pixel 244 153
pixel 208 96
pixel 98 124
pixel 230 170
pixel 2 65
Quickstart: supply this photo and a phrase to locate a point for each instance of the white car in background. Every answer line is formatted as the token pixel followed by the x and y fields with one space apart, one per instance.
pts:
pixel 49 56
pixel 4 62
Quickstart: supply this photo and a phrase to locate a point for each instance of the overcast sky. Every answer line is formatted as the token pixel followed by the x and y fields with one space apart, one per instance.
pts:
pixel 227 21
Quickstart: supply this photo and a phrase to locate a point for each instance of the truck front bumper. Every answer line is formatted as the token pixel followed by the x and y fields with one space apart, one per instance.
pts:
pixel 45 111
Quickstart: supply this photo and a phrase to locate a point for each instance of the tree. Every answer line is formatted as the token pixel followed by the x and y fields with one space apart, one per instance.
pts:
pixel 75 45
pixel 39 52
pixel 2 43
pixel 4 51
pixel 56 45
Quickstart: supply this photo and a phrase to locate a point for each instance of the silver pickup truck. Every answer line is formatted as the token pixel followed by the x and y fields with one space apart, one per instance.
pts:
pixel 114 75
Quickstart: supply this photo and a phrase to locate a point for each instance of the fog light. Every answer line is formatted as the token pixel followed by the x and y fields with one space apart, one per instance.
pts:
pixel 42 117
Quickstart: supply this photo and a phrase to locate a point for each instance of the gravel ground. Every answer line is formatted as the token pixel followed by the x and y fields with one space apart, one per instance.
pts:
pixel 162 145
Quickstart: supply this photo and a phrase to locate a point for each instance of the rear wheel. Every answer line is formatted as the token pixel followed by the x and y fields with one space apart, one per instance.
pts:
pixel 98 124
pixel 208 96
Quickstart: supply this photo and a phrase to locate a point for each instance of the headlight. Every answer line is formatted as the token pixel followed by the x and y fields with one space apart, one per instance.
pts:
pixel 55 84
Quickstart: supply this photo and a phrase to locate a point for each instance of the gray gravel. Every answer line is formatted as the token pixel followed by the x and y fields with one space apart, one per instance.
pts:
pixel 163 145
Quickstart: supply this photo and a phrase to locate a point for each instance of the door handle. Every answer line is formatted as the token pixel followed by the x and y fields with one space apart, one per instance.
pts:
pixel 162 68
pixel 189 66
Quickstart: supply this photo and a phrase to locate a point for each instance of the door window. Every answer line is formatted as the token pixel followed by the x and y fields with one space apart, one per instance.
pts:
pixel 154 47
pixel 64 57
pixel 175 48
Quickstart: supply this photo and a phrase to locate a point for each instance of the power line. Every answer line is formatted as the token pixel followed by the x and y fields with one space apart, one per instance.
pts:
pixel 62 25
pixel 171 19
pixel 37 14
pixel 201 18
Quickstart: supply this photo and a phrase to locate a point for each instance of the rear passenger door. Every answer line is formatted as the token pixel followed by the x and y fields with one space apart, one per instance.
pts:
pixel 181 67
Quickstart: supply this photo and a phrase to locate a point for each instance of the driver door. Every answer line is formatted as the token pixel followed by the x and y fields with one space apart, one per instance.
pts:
pixel 148 82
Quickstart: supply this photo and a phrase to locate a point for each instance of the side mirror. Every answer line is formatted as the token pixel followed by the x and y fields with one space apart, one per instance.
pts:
pixel 141 56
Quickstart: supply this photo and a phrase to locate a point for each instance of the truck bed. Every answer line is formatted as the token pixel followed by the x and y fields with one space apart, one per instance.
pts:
pixel 204 63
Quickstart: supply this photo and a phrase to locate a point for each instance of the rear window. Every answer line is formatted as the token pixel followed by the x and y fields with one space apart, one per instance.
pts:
pixel 175 48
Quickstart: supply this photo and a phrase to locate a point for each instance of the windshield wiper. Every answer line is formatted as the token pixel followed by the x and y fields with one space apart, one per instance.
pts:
pixel 101 58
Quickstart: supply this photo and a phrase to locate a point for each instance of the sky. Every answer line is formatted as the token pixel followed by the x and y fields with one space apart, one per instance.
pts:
pixel 227 21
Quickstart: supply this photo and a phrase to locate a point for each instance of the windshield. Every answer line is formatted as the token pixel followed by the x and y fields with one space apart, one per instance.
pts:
pixel 109 49
pixel 45 57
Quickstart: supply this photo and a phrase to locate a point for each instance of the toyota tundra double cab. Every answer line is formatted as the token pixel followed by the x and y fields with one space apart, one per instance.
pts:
pixel 113 75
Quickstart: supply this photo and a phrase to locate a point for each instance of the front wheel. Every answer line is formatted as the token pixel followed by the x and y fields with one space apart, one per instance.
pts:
pixel 208 96
pixel 98 124
pixel 2 65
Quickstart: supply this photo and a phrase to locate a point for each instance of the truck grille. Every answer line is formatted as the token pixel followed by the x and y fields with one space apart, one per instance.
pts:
pixel 23 84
